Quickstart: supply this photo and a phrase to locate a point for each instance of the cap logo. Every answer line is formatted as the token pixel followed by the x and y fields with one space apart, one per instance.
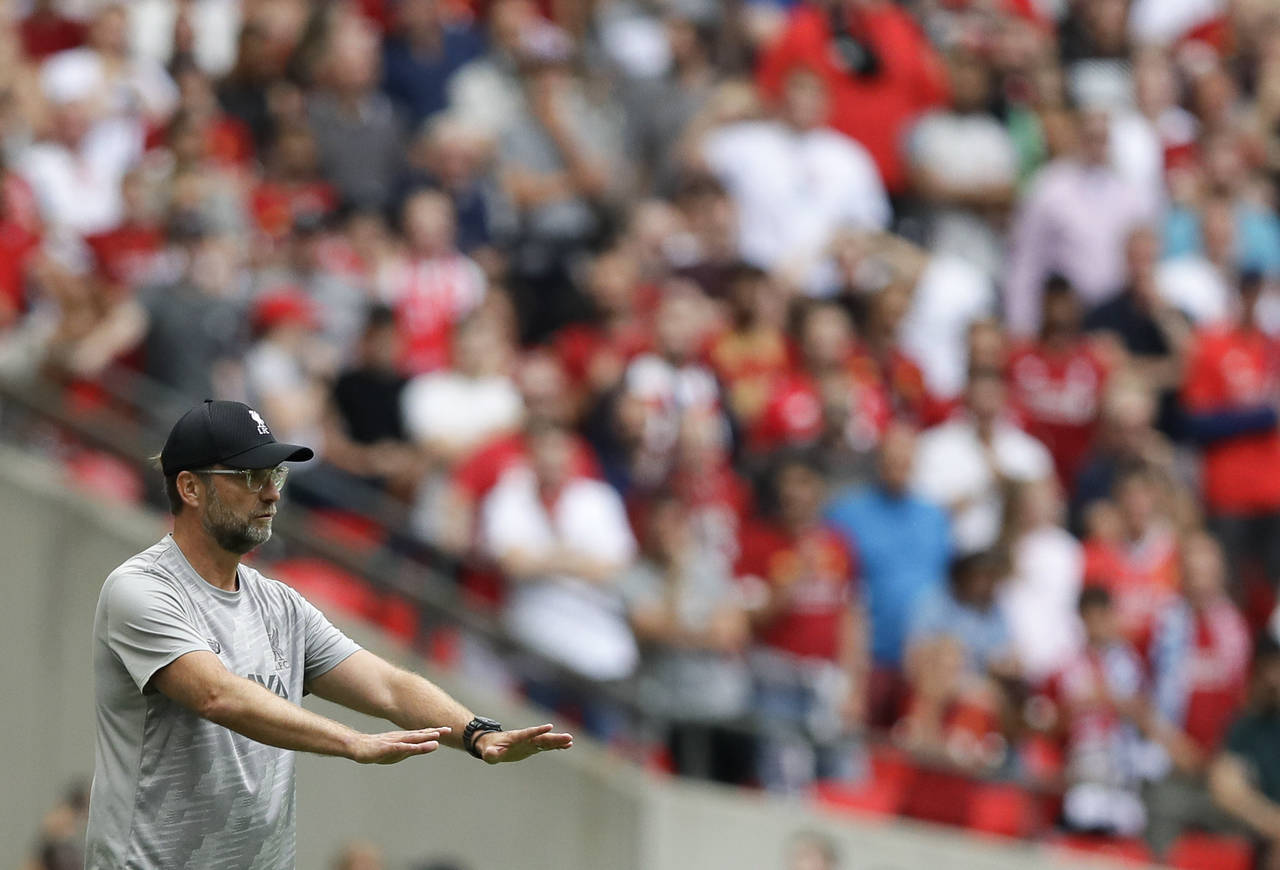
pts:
pixel 262 424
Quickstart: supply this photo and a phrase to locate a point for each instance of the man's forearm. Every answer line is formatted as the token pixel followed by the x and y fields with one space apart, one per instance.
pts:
pixel 259 714
pixel 416 702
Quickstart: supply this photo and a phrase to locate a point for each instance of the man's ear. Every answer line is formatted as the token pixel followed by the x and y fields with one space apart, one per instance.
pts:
pixel 189 488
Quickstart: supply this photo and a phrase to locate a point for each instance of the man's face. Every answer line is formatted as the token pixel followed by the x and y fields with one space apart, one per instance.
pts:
pixel 237 519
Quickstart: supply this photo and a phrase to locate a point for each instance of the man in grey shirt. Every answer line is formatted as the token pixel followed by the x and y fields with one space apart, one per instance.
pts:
pixel 200 664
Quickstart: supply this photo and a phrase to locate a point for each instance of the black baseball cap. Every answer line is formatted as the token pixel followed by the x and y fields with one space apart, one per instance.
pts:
pixel 225 433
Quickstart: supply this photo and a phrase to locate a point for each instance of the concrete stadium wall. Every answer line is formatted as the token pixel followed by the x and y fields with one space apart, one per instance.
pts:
pixel 581 810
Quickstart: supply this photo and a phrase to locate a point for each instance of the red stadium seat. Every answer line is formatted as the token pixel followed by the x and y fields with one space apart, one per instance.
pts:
pixel 874 797
pixel 940 796
pixel 398 617
pixel 105 476
pixel 1116 848
pixel 1002 809
pixel 1210 852
pixel 327 584
pixel 354 531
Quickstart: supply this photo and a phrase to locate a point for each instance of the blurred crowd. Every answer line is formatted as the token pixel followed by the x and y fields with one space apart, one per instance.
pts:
pixel 833 364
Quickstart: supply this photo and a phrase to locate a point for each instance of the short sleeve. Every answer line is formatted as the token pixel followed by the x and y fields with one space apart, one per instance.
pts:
pixel 326 646
pixel 148 627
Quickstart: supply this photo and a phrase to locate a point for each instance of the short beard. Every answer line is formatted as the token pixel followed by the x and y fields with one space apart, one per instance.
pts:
pixel 232 533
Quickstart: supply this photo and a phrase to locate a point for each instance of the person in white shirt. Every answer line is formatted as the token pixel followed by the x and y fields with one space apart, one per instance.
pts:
pixel 450 412
pixel 563 542
pixel 126 86
pixel 795 182
pixel 964 165
pixel 1074 220
pixel 963 463
pixel 1046 573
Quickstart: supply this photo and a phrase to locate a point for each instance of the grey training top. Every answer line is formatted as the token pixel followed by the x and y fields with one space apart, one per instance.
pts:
pixel 170 789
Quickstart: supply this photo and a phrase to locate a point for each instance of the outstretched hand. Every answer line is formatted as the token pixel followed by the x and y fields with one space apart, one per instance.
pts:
pixel 501 746
pixel 393 746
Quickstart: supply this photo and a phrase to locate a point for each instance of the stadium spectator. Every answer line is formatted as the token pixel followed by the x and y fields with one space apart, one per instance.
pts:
pixel 793 414
pixel 359 855
pixel 1245 777
pixel 357 131
pixel 810 660
pixel 76 169
pixel 687 613
pixel 364 432
pixel 751 352
pixel 562 541
pixel 668 382
pixel 1153 332
pixel 810 850
pixel 195 322
pixel 61 841
pixel 120 84
pixel 795 182
pixel 1046 573
pixel 1057 383
pixel 286 369
pixel 963 166
pixel 1200 666
pixel 1126 438
pixel 433 286
pixel 1229 398
pixel 456 158
pixel 959 660
pixel 561 165
pixel 1100 710
pixel 1076 215
pixel 485 92
pixel 878 68
pixel 1199 285
pixel 963 463
pixel 420 56
pixel 1132 550
pixel 903 548
pixel 452 412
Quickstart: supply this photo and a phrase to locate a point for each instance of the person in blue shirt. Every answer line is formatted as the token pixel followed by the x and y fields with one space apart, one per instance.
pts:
pixel 420 56
pixel 903 545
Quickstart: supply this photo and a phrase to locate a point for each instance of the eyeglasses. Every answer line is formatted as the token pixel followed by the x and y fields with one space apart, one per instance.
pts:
pixel 254 478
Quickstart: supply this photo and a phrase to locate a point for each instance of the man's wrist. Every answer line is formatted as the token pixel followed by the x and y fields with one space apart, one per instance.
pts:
pixel 480 741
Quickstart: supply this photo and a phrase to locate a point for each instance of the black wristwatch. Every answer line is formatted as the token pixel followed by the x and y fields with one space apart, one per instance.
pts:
pixel 477 726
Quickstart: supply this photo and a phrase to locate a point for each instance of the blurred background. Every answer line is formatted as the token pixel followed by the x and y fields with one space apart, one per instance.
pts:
pixel 869 405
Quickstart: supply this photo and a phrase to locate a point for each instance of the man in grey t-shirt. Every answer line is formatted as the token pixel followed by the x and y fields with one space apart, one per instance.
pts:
pixel 200 665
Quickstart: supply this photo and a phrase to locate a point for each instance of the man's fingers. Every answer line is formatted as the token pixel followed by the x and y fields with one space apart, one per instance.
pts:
pixel 528 733
pixel 419 736
pixel 553 741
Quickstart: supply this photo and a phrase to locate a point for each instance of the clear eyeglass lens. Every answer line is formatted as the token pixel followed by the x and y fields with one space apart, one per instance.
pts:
pixel 259 477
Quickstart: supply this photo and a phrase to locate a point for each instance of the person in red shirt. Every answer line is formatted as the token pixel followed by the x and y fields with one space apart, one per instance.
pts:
pixel 1056 383
pixel 811 660
pixel 596 353
pixel 293 185
pixel 126 255
pixel 794 413
pixel 1229 396
pixel 880 357
pixel 880 71
pixel 1133 553
pixel 752 353
pixel 434 287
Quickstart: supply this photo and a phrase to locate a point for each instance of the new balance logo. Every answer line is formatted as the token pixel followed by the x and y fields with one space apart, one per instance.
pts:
pixel 272 683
